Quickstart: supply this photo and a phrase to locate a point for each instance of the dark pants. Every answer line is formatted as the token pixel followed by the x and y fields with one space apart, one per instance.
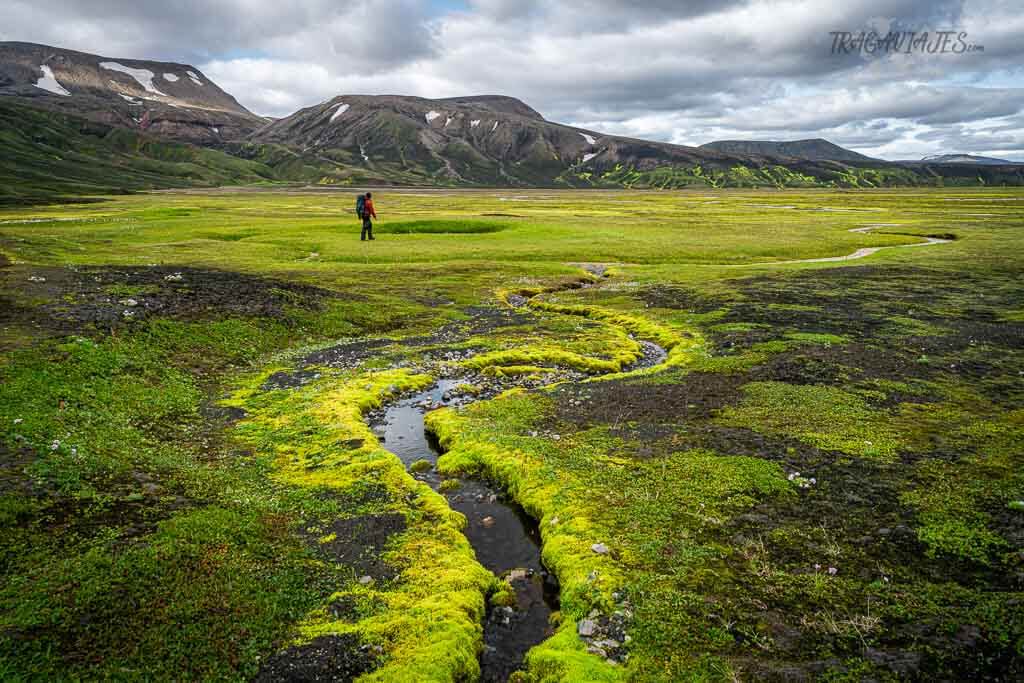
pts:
pixel 367 229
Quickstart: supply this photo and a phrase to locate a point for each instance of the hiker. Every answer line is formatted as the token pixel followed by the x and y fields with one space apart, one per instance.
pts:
pixel 365 210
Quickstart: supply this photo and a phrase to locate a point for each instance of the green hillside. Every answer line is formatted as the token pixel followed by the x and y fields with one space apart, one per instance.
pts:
pixel 45 154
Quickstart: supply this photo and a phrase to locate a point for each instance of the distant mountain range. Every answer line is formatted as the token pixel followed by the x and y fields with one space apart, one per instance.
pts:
pixel 69 115
pixel 483 140
pixel 816 149
pixel 964 159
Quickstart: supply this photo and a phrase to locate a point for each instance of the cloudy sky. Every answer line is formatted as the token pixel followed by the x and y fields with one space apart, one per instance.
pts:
pixel 680 71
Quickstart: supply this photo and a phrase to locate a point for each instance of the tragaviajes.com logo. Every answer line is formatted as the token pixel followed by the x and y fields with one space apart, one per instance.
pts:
pixel 902 42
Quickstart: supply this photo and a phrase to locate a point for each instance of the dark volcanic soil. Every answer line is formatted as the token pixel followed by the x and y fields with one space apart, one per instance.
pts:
pixel 70 300
pixel 334 659
pixel 359 543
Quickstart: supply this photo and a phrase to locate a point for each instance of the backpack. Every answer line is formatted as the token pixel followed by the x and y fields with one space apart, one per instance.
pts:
pixel 360 205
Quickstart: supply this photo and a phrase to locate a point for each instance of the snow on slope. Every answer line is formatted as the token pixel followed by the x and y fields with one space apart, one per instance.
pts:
pixel 590 140
pixel 49 83
pixel 144 77
pixel 194 77
pixel 431 115
pixel 173 78
pixel 342 108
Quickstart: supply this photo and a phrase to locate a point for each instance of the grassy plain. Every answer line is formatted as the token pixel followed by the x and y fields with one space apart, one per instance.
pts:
pixel 823 481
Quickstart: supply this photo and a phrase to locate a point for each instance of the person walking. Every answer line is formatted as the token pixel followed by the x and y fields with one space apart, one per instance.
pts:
pixel 368 212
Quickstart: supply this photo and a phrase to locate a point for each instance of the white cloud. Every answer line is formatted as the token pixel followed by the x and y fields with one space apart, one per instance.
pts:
pixel 684 72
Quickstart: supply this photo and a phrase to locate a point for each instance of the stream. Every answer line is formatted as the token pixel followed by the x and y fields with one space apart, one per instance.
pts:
pixel 506 540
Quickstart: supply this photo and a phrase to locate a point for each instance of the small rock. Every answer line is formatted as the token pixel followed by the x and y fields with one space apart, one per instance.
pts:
pixel 600 548
pixel 487 522
pixel 364 580
pixel 587 628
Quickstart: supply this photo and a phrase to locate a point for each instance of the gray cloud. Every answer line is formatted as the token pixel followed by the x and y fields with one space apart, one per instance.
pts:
pixel 686 72
pixel 370 34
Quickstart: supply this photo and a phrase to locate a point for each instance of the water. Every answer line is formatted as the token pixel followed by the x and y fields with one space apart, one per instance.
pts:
pixel 506 540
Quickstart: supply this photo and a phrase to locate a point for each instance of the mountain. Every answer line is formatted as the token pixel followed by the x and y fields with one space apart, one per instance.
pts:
pixel 817 149
pixel 484 140
pixel 75 123
pixel 48 156
pixel 965 159
pixel 169 100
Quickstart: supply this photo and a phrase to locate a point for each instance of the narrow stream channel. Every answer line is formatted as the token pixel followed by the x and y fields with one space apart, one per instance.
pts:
pixel 505 538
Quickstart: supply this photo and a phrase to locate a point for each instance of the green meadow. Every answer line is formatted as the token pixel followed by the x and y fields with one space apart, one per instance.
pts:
pixel 821 478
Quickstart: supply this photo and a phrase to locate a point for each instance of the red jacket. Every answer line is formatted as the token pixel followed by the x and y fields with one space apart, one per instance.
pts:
pixel 368 208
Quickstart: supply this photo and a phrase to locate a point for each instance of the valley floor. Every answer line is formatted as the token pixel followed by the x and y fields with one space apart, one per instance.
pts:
pixel 756 434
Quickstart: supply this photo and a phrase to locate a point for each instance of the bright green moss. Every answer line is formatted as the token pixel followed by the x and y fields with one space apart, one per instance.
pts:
pixel 430 629
pixel 564 657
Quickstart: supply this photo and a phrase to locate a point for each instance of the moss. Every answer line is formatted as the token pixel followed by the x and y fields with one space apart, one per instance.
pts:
pixel 681 345
pixel 317 437
pixel 527 360
pixel 817 338
pixel 421 466
pixel 449 485
pixel 564 657
pixel 583 493
pixel 567 538
pixel 951 519
pixel 826 417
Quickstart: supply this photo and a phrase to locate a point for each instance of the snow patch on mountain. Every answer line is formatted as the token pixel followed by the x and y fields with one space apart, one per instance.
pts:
pixel 474 123
pixel 173 78
pixel 447 121
pixel 342 108
pixel 144 77
pixel 588 157
pixel 194 77
pixel 494 127
pixel 590 140
pixel 431 115
pixel 128 98
pixel 49 83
